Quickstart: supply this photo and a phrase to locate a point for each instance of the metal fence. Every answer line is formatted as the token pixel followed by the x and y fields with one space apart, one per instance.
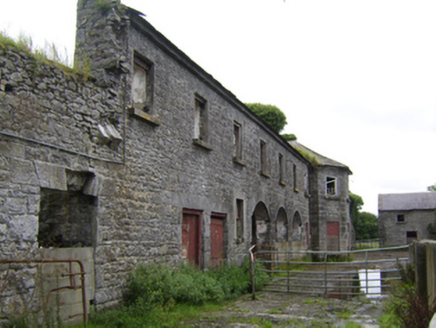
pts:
pixel 366 244
pixel 334 274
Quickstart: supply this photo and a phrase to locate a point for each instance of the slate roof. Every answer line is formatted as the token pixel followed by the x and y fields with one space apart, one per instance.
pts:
pixel 324 161
pixel 407 202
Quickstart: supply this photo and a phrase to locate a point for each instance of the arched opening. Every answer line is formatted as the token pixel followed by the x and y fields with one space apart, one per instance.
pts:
pixel 260 225
pixel 282 226
pixel 296 227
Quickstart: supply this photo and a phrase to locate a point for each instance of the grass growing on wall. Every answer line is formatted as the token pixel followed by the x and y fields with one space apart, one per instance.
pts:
pixel 50 55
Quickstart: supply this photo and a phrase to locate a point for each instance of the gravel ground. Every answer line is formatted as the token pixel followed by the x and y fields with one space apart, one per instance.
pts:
pixel 290 310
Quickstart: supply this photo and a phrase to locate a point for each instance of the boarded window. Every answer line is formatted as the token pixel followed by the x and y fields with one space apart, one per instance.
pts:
pixel 142 85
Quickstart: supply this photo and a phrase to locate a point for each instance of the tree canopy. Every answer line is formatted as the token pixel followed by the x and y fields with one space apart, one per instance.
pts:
pixel 270 114
pixel 366 226
pixel 355 207
pixel 431 188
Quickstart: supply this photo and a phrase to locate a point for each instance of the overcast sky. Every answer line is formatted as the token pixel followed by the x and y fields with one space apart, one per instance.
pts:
pixel 356 79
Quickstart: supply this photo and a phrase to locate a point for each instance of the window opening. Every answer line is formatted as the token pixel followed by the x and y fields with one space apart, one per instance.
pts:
pixel 330 186
pixel 294 174
pixel 400 218
pixel 200 118
pixel 240 220
pixel 67 218
pixel 263 167
pixel 281 170
pixel 237 134
pixel 142 85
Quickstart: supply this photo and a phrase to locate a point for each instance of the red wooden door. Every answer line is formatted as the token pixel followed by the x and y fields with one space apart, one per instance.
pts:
pixel 332 236
pixel 216 240
pixel 191 238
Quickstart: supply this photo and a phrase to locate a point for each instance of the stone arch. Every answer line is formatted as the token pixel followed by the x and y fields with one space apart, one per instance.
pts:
pixel 297 227
pixel 281 225
pixel 260 225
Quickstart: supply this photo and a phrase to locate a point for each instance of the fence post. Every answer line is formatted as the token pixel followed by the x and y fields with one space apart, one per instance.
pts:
pixel 252 273
pixel 287 268
pixel 366 271
pixel 325 273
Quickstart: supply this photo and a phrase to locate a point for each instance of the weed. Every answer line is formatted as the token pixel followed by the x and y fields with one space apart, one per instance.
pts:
pixel 406 307
pixel 352 325
pixel 344 315
pixel 103 6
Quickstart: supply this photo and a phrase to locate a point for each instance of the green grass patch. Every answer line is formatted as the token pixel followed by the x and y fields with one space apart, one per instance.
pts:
pixel 161 296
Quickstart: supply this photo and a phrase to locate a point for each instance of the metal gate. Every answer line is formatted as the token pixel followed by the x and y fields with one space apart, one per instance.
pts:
pixel 333 274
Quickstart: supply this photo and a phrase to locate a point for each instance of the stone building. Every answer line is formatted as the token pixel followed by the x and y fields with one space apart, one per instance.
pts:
pixel 145 158
pixel 329 202
pixel 406 217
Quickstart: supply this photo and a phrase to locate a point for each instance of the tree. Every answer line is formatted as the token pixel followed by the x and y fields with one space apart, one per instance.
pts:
pixel 366 226
pixel 270 114
pixel 289 136
pixel 432 188
pixel 355 207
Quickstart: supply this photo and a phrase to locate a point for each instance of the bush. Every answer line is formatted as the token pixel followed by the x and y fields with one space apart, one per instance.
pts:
pixel 158 284
pixel 406 307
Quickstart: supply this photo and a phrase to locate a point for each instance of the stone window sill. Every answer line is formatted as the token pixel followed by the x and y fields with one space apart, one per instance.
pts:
pixel 265 174
pixel 239 161
pixel 332 197
pixel 145 117
pixel 202 144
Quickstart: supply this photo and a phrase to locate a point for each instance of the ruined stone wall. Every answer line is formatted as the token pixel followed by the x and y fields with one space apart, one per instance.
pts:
pixel 63 134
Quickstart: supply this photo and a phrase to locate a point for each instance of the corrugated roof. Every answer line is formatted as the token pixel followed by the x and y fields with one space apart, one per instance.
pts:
pixel 408 201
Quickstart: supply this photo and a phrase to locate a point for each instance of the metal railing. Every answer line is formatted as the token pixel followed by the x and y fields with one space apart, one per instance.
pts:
pixel 72 282
pixel 366 244
pixel 334 274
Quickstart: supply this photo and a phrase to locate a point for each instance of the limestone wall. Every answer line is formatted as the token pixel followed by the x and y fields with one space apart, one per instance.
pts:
pixel 394 233
pixel 64 135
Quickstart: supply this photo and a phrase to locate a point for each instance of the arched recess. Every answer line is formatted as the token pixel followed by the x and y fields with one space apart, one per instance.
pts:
pixel 260 225
pixel 282 226
pixel 296 227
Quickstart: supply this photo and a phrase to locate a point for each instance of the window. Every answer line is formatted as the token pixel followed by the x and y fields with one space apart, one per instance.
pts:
pixel 142 91
pixel 237 134
pixel 200 117
pixel 294 176
pixel 281 170
pixel 142 85
pixel 239 220
pixel 400 218
pixel 263 158
pixel 331 186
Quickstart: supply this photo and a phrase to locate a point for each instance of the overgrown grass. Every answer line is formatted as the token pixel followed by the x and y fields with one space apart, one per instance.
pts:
pixel 160 296
pixel 406 307
pixel 50 55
